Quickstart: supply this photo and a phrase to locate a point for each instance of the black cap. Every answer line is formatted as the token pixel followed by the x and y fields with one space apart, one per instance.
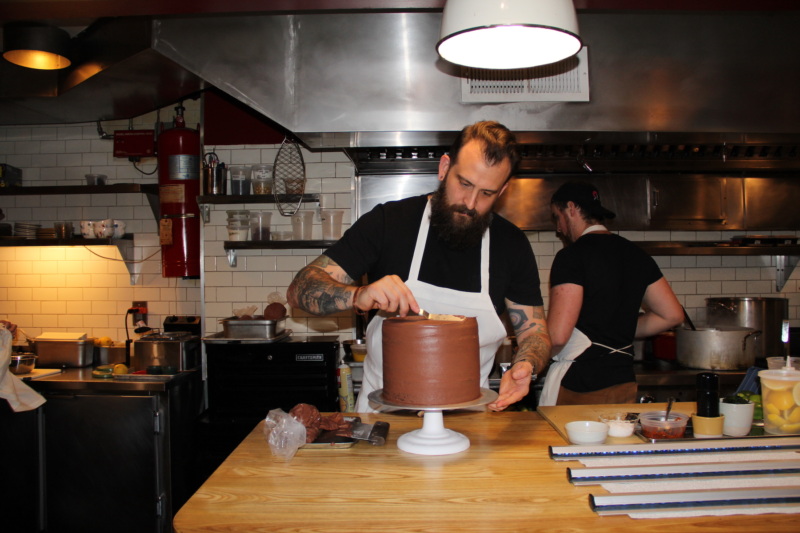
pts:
pixel 584 195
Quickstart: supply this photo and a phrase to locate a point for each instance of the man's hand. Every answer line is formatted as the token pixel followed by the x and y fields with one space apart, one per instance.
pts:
pixel 514 385
pixel 389 294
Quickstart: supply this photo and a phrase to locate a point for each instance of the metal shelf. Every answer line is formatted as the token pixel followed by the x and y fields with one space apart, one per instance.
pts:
pixel 231 246
pixel 786 255
pixel 124 244
pixel 149 189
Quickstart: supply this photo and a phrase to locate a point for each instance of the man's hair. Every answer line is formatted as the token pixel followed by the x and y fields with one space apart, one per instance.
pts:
pixel 498 143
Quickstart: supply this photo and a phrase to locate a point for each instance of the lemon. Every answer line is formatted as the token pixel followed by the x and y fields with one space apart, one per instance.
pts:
pixel 794 416
pixel 771 409
pixel 781 399
pixel 120 369
pixel 776 420
pixel 790 428
pixel 796 394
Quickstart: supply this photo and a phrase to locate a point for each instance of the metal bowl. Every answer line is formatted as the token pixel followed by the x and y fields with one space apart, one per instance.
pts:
pixel 22 364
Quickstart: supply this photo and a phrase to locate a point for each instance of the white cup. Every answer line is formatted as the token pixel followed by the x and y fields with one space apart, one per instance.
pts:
pixel 302 223
pixel 119 229
pixel 331 224
pixel 104 229
pixel 87 229
pixel 738 418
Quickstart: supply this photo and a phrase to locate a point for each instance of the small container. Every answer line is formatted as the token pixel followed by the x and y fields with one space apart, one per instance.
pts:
pixel 238 232
pixel 618 424
pixel 262 179
pixel 586 432
pixel 655 427
pixel 23 363
pixel 240 180
pixel 260 225
pixel 281 235
pixel 359 352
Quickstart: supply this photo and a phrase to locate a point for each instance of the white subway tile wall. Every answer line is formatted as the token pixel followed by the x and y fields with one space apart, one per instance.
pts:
pixel 89 289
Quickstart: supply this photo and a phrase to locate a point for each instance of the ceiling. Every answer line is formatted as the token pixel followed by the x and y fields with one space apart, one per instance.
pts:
pixel 83 12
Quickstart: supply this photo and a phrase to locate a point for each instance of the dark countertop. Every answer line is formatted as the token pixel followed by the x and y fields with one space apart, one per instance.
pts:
pixel 81 379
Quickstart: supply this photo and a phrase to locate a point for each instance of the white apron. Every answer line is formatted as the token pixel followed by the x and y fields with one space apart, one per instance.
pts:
pixel 433 299
pixel 576 345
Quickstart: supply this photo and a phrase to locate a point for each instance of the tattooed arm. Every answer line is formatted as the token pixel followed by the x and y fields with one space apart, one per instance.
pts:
pixel 532 355
pixel 323 287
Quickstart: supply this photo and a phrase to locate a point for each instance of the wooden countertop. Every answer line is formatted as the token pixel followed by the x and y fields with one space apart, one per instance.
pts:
pixel 505 481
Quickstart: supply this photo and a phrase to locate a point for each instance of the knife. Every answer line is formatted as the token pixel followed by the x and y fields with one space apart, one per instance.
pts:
pixel 375 433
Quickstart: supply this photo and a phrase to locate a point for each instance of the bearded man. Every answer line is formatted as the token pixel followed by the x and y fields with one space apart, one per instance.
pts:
pixel 444 252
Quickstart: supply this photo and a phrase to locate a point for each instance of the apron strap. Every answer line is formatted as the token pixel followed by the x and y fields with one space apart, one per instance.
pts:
pixel 615 350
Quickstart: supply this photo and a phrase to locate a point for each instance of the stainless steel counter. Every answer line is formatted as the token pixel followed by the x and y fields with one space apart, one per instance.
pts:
pixel 81 379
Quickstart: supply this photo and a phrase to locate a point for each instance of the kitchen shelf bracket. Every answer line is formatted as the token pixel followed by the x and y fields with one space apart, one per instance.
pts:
pixel 784 266
pixel 231 253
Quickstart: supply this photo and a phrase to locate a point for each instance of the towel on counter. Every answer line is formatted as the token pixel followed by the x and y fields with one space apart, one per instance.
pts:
pixel 19 396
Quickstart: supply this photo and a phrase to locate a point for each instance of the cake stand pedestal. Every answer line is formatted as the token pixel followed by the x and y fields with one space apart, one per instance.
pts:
pixel 433 438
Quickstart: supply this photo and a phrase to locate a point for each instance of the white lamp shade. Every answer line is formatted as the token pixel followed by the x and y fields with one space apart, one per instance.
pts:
pixel 507 34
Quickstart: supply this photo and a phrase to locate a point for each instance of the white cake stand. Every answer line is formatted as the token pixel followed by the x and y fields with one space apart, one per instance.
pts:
pixel 433 438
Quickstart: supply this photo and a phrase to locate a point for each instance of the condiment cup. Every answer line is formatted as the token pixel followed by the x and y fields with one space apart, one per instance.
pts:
pixel 618 425
pixel 655 427
pixel 707 427
pixel 586 432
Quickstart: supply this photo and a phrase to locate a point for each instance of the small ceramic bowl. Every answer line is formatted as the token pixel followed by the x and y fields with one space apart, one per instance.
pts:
pixel 586 432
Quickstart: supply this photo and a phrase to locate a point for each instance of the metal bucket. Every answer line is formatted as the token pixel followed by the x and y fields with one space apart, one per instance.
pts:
pixel 764 314
pixel 722 348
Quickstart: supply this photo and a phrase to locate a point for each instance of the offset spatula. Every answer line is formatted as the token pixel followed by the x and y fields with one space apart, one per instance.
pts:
pixel 434 316
pixel 375 433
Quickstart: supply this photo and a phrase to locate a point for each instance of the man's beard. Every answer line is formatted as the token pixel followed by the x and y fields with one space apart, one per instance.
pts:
pixel 459 233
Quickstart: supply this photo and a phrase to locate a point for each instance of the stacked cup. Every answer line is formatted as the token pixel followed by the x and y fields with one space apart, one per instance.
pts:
pixel 238 225
pixel 260 225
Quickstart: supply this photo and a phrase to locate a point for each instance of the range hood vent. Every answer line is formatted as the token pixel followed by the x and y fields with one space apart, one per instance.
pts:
pixel 618 155
pixel 564 81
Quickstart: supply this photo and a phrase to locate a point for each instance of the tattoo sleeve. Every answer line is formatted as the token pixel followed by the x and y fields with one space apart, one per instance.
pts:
pixel 533 339
pixel 321 288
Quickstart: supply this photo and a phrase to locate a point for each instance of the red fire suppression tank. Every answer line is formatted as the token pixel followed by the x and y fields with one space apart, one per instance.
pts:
pixel 179 164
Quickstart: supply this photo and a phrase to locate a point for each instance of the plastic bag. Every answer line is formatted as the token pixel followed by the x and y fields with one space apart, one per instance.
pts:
pixel 284 434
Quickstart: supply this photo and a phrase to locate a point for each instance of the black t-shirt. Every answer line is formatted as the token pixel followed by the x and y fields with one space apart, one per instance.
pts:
pixel 382 242
pixel 614 274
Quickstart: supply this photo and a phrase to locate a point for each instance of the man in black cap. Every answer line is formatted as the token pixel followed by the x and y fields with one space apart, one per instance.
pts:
pixel 598 284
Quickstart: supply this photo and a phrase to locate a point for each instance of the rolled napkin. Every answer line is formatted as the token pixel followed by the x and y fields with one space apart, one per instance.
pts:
pixel 19 396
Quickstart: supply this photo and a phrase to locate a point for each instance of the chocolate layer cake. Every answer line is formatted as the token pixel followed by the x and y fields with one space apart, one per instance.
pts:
pixel 427 363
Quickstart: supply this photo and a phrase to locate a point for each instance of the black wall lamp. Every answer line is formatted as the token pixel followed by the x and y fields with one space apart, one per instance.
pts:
pixel 36 46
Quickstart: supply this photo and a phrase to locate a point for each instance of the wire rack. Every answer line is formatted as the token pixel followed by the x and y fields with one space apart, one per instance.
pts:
pixel 289 175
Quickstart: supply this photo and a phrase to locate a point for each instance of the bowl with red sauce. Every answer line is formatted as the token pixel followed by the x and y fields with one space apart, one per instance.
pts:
pixel 655 426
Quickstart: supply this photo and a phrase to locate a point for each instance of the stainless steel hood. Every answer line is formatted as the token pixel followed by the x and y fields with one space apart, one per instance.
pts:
pixel 668 90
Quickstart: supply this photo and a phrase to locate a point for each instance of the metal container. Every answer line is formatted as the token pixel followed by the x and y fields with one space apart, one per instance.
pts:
pixel 763 314
pixel 722 348
pixel 63 353
pixel 234 328
pixel 177 349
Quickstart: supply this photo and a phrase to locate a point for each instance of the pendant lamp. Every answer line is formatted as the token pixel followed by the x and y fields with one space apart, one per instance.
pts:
pixel 36 46
pixel 508 34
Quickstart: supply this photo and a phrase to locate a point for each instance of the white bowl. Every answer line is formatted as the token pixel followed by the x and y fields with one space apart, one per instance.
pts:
pixel 586 432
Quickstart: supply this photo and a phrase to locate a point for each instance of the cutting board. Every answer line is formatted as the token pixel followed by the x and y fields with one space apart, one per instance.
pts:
pixel 37 373
pixel 559 415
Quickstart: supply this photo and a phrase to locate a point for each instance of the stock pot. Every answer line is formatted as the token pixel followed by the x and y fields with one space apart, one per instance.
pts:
pixel 718 348
pixel 763 314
